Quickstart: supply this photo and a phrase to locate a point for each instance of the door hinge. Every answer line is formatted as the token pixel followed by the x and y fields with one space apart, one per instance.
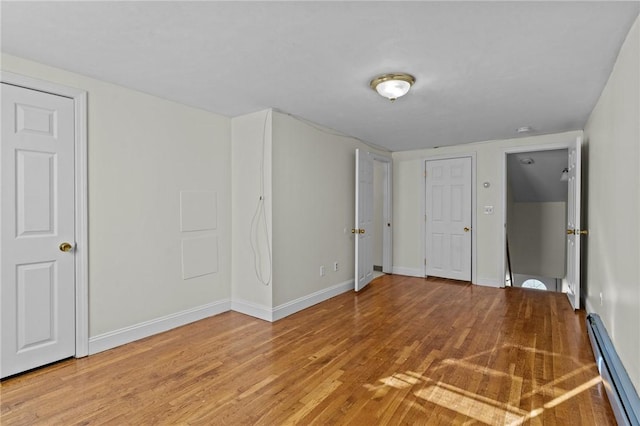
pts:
pixel 425 173
pixel 425 262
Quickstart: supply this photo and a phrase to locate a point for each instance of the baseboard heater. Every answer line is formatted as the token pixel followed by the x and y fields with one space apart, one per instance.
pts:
pixel 621 392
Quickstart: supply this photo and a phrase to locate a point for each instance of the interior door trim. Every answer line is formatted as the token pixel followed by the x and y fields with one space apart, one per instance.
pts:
pixel 81 253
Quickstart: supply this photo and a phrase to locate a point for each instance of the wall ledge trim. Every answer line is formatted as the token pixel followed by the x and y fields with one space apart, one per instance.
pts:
pixel 112 339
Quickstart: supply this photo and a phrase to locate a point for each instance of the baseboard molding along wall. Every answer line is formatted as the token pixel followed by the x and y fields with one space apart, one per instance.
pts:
pixel 309 300
pixel 112 339
pixel 409 272
pixel 489 282
pixel 252 309
pixel 274 314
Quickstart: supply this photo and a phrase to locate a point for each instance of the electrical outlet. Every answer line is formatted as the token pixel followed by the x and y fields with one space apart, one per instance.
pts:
pixel 488 209
pixel 322 271
pixel 335 266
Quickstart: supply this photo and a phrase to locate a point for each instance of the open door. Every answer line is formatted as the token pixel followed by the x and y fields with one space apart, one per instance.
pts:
pixel 364 220
pixel 573 225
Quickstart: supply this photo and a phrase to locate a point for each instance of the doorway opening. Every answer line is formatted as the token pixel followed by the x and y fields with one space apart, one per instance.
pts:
pixel 368 233
pixel 381 218
pixel 536 219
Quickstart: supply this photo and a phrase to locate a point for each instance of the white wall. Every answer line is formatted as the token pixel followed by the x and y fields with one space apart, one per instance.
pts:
pixel 142 152
pixel 408 198
pixel 613 205
pixel 251 137
pixel 537 238
pixel 313 208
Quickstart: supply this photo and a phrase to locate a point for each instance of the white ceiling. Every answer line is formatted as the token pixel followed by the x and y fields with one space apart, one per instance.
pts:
pixel 483 69
pixel 539 181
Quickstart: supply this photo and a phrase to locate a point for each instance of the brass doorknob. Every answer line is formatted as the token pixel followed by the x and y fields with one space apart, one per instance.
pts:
pixel 467 229
pixel 361 231
pixel 577 232
pixel 65 247
pixel 570 232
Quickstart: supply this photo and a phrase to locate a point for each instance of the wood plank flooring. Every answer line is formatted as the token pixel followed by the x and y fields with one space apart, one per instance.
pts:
pixel 404 351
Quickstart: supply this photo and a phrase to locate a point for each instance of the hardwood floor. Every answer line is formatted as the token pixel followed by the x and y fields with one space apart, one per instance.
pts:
pixel 404 351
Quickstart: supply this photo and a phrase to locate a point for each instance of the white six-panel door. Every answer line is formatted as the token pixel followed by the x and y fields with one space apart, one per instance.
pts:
pixel 38 287
pixel 364 220
pixel 448 218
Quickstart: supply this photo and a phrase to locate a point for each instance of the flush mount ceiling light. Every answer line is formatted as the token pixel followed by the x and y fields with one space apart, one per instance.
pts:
pixel 392 86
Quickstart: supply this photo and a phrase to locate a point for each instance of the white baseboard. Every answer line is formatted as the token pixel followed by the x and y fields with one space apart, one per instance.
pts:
pixel 252 309
pixel 304 302
pixel 489 282
pixel 410 272
pixel 110 340
pixel 274 314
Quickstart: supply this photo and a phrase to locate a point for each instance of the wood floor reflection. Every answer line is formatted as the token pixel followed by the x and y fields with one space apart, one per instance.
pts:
pixel 404 351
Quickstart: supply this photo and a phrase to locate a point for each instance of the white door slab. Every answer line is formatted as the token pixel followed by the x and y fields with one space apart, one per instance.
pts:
pixel 38 281
pixel 448 218
pixel 363 229
pixel 574 232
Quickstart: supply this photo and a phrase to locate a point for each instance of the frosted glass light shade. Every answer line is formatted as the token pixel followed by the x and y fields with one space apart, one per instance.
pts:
pixel 393 89
pixel 392 86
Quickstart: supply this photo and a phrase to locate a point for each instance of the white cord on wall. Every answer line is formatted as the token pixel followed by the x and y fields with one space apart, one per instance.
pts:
pixel 259 221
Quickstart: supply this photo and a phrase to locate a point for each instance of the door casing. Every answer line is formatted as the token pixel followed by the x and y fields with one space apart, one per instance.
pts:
pixel 81 254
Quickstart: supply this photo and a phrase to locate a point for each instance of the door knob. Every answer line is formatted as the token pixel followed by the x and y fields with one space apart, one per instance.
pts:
pixel 361 231
pixel 570 232
pixel 65 247
pixel 467 229
pixel 577 232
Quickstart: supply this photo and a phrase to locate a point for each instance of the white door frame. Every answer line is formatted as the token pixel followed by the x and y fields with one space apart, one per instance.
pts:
pixel 79 98
pixel 387 212
pixel 423 210
pixel 505 153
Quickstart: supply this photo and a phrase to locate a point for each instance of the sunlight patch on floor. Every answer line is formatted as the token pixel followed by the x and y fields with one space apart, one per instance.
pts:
pixel 399 381
pixel 468 406
pixel 480 408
